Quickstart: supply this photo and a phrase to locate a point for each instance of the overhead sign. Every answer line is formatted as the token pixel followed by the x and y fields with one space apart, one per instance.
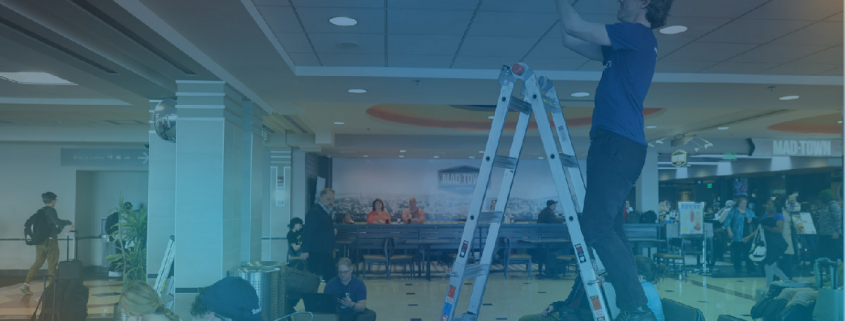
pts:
pixel 679 158
pixel 460 180
pixel 105 158
pixel 798 147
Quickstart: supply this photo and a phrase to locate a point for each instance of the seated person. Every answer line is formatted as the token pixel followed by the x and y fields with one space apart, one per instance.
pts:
pixel 547 215
pixel 141 302
pixel 344 218
pixel 230 299
pixel 576 306
pixel 378 215
pixel 413 214
pixel 351 292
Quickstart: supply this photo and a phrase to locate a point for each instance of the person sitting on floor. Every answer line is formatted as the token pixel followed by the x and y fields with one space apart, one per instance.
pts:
pixel 577 308
pixel 351 292
pixel 140 302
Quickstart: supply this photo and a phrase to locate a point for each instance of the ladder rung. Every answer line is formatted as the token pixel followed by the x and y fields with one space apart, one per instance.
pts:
pixel 519 105
pixel 490 217
pixel 568 160
pixel 466 317
pixel 475 270
pixel 505 162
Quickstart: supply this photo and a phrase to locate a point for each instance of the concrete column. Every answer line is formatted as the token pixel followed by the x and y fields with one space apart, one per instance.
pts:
pixel 161 197
pixel 648 184
pixel 252 179
pixel 209 170
pixel 299 185
pixel 278 201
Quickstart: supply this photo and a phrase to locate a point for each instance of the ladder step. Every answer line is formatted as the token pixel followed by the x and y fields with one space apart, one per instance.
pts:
pixel 466 317
pixel 490 217
pixel 475 270
pixel 568 160
pixel 507 162
pixel 517 104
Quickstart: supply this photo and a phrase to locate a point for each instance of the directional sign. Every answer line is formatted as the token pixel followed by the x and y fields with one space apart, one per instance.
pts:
pixel 105 158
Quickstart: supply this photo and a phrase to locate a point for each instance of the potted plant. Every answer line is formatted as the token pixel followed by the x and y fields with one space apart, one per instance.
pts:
pixel 131 241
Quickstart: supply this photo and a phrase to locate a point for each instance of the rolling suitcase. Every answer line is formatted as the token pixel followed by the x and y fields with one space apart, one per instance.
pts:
pixel 70 269
pixel 829 302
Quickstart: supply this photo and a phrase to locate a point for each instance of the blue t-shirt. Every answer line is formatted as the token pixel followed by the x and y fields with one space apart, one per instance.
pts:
pixel 736 221
pixel 356 289
pixel 628 69
pixel 654 303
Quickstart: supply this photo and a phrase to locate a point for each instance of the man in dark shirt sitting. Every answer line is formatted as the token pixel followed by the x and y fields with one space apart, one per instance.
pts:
pixel 48 251
pixel 547 215
pixel 351 292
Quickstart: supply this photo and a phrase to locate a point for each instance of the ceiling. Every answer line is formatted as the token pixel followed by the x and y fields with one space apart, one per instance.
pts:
pixel 727 70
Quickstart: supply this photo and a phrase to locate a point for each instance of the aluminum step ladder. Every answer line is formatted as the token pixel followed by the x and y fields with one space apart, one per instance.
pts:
pixel 568 182
pixel 164 284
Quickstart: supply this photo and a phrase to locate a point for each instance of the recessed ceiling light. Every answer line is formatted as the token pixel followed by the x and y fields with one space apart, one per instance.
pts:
pixel 671 30
pixel 357 91
pixel 472 157
pixel 580 94
pixel 541 157
pixel 348 45
pixel 365 156
pixel 401 150
pixel 481 152
pixel 651 127
pixel 491 117
pixel 724 128
pixel 34 78
pixel 343 21
pixel 839 122
pixel 401 156
pixel 793 97
pixel 339 123
pixel 435 156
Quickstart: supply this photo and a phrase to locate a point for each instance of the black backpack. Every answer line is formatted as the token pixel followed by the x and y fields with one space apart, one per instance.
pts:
pixel 38 228
pixel 649 217
pixel 66 298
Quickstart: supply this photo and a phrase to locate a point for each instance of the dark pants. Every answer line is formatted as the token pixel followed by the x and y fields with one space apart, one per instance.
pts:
pixel 829 247
pixel 785 264
pixel 613 165
pixel 322 264
pixel 739 253
pixel 367 315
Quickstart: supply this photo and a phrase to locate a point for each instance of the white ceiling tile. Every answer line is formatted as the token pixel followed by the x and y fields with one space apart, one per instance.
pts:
pixel 352 60
pixel 304 59
pixel 796 10
pixel 474 62
pixel 280 19
pixel 701 52
pixel 328 43
pixel 681 66
pixel 511 24
pixel 799 69
pixel 829 56
pixel 821 33
pixel 496 46
pixel 603 7
pixel 697 27
pixel 739 67
pixel 592 65
pixel 546 63
pixel 282 3
pixel 666 47
pixel 428 22
pixel 603 19
pixel 422 45
pixel 519 6
pixel 712 8
pixel 433 4
pixel 777 53
pixel 833 72
pixel 552 48
pixel 317 19
pixel 419 61
pixel 755 31
pixel 294 42
pixel 340 3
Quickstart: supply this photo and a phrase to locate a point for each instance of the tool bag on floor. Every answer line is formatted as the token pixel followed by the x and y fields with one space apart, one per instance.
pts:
pixel 301 281
pixel 829 303
pixel 674 310
pixel 67 297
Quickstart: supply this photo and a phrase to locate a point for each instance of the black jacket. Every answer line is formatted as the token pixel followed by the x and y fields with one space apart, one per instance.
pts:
pixel 53 216
pixel 318 231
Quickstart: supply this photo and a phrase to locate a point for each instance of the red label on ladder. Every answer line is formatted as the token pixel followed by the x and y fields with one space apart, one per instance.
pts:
pixel 464 248
pixel 450 296
pixel 596 302
pixel 581 257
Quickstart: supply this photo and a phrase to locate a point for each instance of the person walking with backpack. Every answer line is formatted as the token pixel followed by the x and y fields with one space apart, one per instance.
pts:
pixel 47 223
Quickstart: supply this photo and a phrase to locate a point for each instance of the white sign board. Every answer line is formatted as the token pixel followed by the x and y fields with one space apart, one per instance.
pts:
pixel 691 217
pixel 803 223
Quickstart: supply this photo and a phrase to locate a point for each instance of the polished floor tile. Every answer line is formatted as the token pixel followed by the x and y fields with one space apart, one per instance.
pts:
pixel 103 294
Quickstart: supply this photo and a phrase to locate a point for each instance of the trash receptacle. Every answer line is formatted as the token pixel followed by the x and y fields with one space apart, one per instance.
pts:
pixel 267 280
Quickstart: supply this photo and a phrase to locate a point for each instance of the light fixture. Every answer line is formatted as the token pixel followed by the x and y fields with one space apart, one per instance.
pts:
pixel 34 78
pixel 723 128
pixel 435 156
pixel 339 123
pixel 793 97
pixel 365 156
pixel 839 122
pixel 651 127
pixel 401 150
pixel 491 117
pixel 672 30
pixel 541 157
pixel 357 91
pixel 401 156
pixel 659 141
pixel 580 94
pixel 481 152
pixel 472 157
pixel 343 21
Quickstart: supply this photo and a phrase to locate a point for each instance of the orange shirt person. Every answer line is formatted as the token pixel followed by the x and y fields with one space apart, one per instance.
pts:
pixel 413 214
pixel 378 215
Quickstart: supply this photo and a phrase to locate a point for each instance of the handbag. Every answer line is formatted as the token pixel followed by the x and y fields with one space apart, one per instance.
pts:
pixel 758 247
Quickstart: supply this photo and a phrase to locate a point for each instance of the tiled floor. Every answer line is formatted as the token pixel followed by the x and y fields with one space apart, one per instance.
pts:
pixel 15 306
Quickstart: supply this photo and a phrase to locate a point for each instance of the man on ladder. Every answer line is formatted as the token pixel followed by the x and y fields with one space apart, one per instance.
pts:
pixel 617 152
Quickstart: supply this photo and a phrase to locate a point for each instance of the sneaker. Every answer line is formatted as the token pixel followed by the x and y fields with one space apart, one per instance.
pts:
pixel 640 314
pixel 25 289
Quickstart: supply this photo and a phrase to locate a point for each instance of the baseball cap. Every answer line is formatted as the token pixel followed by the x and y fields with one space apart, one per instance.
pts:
pixel 729 203
pixel 550 202
pixel 233 298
